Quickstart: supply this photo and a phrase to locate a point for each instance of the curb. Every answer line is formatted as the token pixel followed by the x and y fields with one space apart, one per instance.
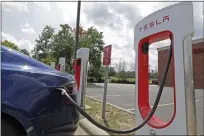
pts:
pixel 90 128
pixel 132 113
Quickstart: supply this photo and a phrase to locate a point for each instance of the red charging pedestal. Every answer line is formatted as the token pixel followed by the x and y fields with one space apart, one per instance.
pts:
pixel 175 20
pixel 81 70
pixel 77 69
pixel 143 80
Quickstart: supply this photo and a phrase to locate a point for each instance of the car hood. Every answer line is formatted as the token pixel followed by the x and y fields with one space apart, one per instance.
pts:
pixel 33 66
pixel 27 59
pixel 31 69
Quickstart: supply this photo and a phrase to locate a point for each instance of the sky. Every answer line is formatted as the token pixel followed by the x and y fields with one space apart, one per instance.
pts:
pixel 22 22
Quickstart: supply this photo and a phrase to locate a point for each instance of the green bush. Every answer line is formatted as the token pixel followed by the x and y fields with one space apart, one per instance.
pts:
pixel 90 80
pixel 100 80
pixel 115 80
pixel 93 80
pixel 122 81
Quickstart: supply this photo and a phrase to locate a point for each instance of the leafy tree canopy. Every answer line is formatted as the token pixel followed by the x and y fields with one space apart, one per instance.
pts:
pixel 50 46
pixel 15 47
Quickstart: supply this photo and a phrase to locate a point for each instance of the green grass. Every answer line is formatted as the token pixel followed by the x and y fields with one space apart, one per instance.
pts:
pixel 116 118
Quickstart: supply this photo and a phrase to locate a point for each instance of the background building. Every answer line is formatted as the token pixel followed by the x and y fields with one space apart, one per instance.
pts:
pixel 198 64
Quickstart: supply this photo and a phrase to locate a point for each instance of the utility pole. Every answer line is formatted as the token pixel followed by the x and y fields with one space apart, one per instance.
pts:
pixel 77 26
pixel 123 66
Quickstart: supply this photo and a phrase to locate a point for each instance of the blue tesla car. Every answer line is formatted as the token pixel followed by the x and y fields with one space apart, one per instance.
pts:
pixel 30 104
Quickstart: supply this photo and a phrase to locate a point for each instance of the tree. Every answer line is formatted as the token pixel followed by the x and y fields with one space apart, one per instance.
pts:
pixel 112 71
pixel 93 39
pixel 48 59
pixel 44 42
pixel 130 74
pixel 153 75
pixel 15 47
pixel 24 51
pixel 10 45
pixel 121 66
pixel 63 45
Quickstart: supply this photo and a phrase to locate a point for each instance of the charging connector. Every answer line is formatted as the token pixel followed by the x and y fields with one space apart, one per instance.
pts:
pixel 145 48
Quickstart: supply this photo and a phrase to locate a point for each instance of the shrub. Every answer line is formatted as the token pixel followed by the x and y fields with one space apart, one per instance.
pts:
pixel 100 80
pixel 122 81
pixel 90 80
pixel 115 80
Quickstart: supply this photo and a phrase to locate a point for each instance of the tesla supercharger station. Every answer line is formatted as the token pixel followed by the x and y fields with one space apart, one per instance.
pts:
pixel 61 65
pixel 177 21
pixel 81 70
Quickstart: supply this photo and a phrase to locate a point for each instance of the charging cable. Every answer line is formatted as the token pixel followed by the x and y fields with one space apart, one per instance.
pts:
pixel 145 121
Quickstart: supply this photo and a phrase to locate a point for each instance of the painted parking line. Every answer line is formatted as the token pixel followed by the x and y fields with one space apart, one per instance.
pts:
pixel 129 94
pixel 107 96
pixel 95 96
pixel 115 95
pixel 161 105
pixel 153 85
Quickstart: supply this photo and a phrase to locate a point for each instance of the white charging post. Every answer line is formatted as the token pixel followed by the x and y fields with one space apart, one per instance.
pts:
pixel 175 20
pixel 81 72
pixel 61 64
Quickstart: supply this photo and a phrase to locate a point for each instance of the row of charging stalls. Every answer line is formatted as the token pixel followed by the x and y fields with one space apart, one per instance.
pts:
pixel 175 21
pixel 80 66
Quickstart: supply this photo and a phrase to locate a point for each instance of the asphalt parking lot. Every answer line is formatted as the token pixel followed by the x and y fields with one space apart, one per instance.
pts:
pixel 123 95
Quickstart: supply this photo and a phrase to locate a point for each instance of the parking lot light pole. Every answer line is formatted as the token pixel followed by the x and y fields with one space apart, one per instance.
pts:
pixel 77 26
